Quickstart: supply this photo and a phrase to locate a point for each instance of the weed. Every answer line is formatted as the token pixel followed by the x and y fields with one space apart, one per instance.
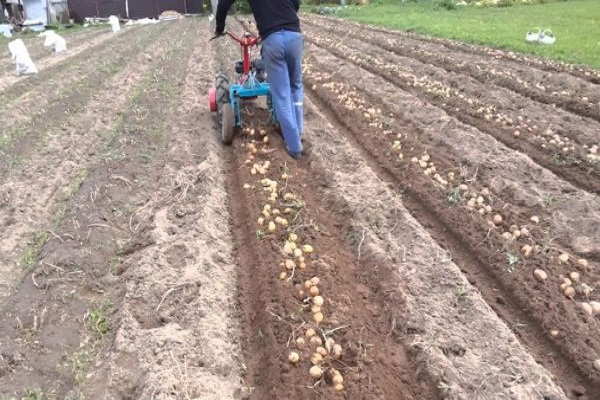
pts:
pixel 445 258
pixel 444 387
pixel 78 362
pixel 29 258
pixel 461 292
pixel 33 394
pixel 97 318
pixel 260 234
pixel 512 260
pixel 548 201
pixel 454 196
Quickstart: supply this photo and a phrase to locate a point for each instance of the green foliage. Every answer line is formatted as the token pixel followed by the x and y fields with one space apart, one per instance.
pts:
pixel 574 23
pixel 243 7
pixel 446 4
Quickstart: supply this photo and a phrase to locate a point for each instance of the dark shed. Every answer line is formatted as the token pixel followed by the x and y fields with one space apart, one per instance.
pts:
pixel 138 9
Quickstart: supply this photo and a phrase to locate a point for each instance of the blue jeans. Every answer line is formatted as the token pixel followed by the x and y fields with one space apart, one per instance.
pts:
pixel 282 55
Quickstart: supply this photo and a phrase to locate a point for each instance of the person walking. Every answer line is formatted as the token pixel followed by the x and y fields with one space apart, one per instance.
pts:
pixel 282 50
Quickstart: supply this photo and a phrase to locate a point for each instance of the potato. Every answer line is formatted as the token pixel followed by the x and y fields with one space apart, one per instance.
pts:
pixel 508 236
pixel 282 276
pixel 569 292
pixel 575 277
pixel 322 351
pixel 587 309
pixel 340 388
pixel 315 309
pixel 294 357
pixel 310 332
pixel 337 351
pixel 314 291
pixel 582 262
pixel 315 280
pixel 300 343
pixel 318 318
pixel 318 300
pixel 316 340
pixel 526 250
pixel 316 358
pixel 497 219
pixel 595 307
pixel 316 372
pixel 540 275
pixel 563 258
pixel 307 248
pixel 337 379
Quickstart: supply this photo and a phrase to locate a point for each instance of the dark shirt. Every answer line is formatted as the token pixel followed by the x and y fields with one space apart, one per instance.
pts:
pixel 270 15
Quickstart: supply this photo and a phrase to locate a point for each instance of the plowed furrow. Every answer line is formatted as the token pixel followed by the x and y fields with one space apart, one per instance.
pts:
pixel 45 57
pixel 49 169
pixel 536 138
pixel 73 271
pixel 374 363
pixel 514 58
pixel 34 118
pixel 468 238
pixel 426 277
pixel 559 89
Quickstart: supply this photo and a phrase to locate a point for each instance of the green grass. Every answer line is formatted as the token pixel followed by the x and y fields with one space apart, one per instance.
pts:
pixel 576 24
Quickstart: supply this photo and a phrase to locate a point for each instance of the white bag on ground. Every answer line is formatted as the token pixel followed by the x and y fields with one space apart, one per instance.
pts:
pixel 114 23
pixel 54 39
pixel 21 56
pixel 60 44
pixel 48 38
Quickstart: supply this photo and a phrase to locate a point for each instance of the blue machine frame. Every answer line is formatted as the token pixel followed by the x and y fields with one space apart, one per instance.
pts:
pixel 252 88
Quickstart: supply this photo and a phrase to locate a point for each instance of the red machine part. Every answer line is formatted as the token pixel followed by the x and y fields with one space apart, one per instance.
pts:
pixel 212 100
pixel 246 41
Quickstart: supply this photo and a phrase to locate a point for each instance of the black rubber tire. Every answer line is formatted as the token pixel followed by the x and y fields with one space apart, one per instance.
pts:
pixel 222 88
pixel 227 125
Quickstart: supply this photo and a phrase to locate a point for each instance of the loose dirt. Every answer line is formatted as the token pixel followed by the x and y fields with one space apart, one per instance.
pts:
pixel 140 258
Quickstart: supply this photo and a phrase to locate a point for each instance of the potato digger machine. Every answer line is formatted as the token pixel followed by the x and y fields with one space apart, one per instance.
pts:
pixel 226 98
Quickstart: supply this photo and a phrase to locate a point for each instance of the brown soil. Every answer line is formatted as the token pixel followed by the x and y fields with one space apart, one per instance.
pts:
pixel 136 265
pixel 496 111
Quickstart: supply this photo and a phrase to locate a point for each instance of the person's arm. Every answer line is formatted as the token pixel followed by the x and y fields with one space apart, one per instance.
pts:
pixel 222 10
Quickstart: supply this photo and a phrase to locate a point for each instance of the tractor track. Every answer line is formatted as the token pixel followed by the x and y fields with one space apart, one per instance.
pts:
pixel 8 80
pixel 45 57
pixel 66 150
pixel 113 221
pixel 514 58
pixel 385 370
pixel 406 244
pixel 560 89
pixel 576 170
pixel 513 305
pixel 32 105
